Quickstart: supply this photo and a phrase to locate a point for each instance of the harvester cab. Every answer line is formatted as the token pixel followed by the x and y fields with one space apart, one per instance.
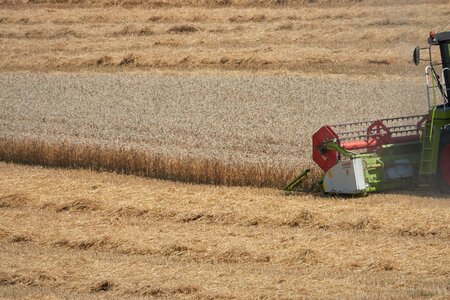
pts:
pixel 392 153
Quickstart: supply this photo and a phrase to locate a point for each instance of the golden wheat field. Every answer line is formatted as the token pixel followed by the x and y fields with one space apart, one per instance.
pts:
pixel 98 98
pixel 206 129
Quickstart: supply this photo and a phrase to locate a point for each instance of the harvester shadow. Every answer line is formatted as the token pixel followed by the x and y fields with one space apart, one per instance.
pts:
pixel 434 194
pixel 322 196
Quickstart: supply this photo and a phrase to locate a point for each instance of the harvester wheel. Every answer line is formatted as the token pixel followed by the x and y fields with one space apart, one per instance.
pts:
pixel 444 162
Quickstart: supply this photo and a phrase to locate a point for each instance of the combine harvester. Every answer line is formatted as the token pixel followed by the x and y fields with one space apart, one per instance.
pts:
pixel 393 153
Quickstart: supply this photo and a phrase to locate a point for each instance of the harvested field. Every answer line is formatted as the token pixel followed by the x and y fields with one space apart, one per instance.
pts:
pixel 282 37
pixel 87 234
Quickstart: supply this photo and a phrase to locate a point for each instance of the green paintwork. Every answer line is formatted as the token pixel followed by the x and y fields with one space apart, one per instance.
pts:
pixel 296 184
pixel 438 118
pixel 375 164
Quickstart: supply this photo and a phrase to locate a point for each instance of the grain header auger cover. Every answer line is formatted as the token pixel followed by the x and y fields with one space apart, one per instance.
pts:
pixel 391 153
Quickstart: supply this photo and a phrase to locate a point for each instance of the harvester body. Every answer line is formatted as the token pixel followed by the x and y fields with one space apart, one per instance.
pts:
pixel 392 153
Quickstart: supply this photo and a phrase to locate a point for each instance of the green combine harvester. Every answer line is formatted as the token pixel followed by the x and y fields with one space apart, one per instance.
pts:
pixel 392 153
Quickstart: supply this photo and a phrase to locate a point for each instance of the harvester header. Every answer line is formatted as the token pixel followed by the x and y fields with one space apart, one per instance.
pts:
pixel 391 153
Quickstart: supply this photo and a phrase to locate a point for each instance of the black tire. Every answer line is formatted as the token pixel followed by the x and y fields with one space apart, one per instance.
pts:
pixel 443 175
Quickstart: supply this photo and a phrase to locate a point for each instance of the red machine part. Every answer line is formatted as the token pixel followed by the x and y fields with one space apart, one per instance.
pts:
pixel 378 134
pixel 370 139
pixel 325 159
pixel 444 164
